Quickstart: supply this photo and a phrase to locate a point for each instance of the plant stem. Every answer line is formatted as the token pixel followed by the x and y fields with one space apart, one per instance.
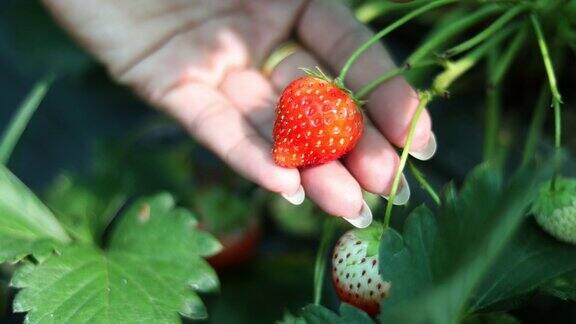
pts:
pixel 372 10
pixel 493 108
pixel 425 97
pixel 455 69
pixel 21 118
pixel 367 89
pixel 445 34
pixel 556 97
pixel 535 126
pixel 486 33
pixel 360 50
pixel 423 182
pixel 320 264
pixel 498 66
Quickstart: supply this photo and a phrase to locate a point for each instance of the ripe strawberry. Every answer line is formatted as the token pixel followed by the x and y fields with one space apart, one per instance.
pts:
pixel 355 273
pixel 555 210
pixel 316 122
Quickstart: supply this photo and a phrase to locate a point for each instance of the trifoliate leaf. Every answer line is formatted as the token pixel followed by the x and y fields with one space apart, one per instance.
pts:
pixel 492 318
pixel 509 277
pixel 148 274
pixel 473 228
pixel 26 225
pixel 404 260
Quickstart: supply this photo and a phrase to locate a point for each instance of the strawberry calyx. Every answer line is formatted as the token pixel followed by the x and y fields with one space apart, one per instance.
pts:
pixel 339 83
pixel 371 235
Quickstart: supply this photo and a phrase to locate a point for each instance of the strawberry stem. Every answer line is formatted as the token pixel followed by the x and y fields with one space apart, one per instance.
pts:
pixel 398 23
pixel 423 182
pixel 495 27
pixel 320 265
pixel 372 85
pixel 425 97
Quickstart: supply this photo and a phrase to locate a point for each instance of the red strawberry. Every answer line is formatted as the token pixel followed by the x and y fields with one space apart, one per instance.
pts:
pixel 316 122
pixel 355 273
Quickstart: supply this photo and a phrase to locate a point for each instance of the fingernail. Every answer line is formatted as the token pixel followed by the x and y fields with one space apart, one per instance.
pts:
pixel 296 198
pixel 364 219
pixel 428 151
pixel 403 194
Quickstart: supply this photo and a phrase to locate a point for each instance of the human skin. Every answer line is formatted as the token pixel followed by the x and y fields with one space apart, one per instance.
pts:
pixel 199 62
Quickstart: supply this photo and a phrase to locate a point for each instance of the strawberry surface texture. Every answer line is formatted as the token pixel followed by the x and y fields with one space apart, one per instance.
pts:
pixel 316 122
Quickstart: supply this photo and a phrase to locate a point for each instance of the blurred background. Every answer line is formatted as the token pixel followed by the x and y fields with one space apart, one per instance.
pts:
pixel 91 140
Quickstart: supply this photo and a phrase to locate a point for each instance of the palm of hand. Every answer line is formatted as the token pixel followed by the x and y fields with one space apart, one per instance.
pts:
pixel 198 62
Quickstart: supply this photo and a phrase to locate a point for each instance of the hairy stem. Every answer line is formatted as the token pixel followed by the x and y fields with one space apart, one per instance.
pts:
pixel 425 97
pixel 491 30
pixel 498 66
pixel 320 264
pixel 538 118
pixel 372 85
pixel 398 23
pixel 423 182
pixel 446 33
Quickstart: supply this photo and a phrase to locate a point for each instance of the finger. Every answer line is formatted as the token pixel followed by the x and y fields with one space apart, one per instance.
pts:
pixel 330 30
pixel 330 185
pixel 334 189
pixel 374 163
pixel 214 122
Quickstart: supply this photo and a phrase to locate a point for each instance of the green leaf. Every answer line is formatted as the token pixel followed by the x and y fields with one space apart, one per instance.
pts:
pixel 492 318
pixel 405 260
pixel 149 273
pixel 473 228
pixel 563 287
pixel 316 314
pixel 21 118
pixel 26 225
pixel 84 206
pixel 532 249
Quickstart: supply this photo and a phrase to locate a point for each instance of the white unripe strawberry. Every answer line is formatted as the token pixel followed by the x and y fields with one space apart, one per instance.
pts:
pixel 555 210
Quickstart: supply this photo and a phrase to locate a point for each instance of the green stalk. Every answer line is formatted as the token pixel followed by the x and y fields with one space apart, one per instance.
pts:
pixel 556 97
pixel 398 23
pixel 495 27
pixel 493 108
pixel 21 118
pixel 320 264
pixel 538 118
pixel 498 66
pixel 425 97
pixel 455 69
pixel 446 33
pixel 368 88
pixel 372 10
pixel 424 183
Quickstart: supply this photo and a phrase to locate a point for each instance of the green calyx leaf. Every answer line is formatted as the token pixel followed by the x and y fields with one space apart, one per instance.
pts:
pixel 371 235
pixel 319 74
pixel 151 272
pixel 555 209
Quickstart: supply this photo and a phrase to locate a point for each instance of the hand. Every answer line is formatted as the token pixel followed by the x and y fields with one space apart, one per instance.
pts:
pixel 198 62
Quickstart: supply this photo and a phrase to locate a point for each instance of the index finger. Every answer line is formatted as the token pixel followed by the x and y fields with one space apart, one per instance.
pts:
pixel 330 30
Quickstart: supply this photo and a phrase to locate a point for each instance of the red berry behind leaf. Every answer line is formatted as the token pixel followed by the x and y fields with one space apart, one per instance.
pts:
pixel 355 273
pixel 316 122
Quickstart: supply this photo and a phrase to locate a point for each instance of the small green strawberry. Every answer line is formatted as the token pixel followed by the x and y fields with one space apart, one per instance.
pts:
pixel 355 272
pixel 555 210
